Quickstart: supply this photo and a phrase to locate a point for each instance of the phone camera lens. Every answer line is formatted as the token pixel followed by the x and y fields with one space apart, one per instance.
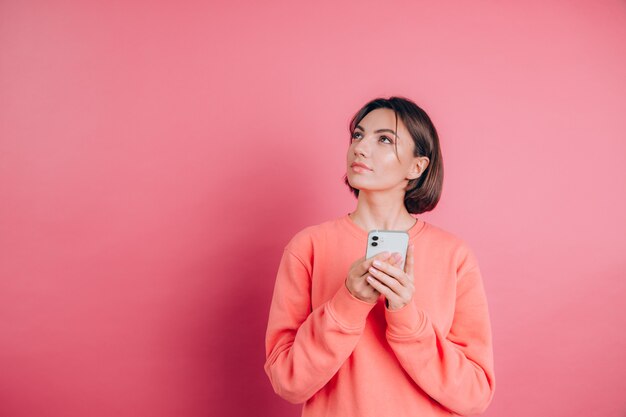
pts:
pixel 374 237
pixel 374 244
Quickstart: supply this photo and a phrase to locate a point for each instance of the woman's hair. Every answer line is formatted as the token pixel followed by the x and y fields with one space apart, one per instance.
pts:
pixel 422 193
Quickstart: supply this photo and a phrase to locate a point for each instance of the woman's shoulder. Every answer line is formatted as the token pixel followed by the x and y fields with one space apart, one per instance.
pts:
pixel 307 236
pixel 443 239
pixel 443 235
pixel 451 246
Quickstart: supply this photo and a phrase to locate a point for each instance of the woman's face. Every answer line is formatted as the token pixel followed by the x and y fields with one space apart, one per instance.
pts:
pixel 372 161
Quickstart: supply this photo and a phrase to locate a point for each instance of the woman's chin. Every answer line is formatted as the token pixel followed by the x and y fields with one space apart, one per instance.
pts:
pixel 355 183
pixel 356 180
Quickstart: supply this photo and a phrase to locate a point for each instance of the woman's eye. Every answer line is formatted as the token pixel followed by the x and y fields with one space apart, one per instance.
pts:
pixel 356 135
pixel 386 139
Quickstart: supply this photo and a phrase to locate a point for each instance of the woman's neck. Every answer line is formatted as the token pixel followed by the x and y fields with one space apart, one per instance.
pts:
pixel 376 211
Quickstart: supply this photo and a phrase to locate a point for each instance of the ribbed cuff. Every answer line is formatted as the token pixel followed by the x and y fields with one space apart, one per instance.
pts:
pixel 349 311
pixel 406 321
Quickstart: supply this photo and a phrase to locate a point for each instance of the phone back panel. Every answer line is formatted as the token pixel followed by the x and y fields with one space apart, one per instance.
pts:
pixel 387 241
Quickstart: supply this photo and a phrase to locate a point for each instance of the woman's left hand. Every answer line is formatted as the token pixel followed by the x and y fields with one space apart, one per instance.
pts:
pixel 392 282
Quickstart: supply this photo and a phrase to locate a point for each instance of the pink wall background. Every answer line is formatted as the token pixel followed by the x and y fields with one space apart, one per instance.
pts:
pixel 155 157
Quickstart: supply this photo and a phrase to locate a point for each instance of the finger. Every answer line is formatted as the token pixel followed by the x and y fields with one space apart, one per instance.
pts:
pixel 367 283
pixel 392 283
pixel 392 271
pixel 366 263
pixel 383 289
pixel 410 260
pixel 356 265
pixel 395 259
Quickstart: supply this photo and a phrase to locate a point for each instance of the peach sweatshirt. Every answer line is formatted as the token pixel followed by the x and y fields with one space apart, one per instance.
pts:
pixel 344 357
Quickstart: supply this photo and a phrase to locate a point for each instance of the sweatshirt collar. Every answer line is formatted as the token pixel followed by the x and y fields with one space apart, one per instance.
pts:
pixel 362 233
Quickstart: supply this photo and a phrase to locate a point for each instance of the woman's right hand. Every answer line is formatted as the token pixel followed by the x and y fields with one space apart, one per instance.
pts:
pixel 357 283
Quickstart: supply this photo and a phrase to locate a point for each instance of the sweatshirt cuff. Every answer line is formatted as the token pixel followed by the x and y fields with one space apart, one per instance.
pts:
pixel 349 311
pixel 406 321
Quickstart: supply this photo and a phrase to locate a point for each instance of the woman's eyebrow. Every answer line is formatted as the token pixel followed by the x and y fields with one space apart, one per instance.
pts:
pixel 379 130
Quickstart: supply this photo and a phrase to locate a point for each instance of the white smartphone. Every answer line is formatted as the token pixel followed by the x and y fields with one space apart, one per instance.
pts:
pixel 387 241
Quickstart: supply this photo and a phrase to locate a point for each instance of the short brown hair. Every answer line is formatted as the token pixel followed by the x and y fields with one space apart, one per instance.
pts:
pixel 422 193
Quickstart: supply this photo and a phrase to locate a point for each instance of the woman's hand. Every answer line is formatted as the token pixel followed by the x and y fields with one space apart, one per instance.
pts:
pixel 395 284
pixel 356 281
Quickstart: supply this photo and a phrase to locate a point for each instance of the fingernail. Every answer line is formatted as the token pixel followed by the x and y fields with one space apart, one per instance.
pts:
pixel 377 263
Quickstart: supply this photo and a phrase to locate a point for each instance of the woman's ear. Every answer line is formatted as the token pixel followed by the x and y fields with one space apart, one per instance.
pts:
pixel 418 167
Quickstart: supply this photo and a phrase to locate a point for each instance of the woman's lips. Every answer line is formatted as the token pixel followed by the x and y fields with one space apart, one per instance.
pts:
pixel 359 167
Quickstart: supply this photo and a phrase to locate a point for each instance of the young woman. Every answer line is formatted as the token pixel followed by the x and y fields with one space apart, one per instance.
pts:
pixel 349 336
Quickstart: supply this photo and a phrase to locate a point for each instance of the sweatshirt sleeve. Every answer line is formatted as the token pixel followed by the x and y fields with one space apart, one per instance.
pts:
pixel 305 347
pixel 455 369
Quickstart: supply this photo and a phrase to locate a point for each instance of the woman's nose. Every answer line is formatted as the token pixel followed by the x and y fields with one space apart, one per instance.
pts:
pixel 361 147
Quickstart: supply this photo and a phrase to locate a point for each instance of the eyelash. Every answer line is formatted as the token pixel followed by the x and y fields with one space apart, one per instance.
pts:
pixel 382 137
